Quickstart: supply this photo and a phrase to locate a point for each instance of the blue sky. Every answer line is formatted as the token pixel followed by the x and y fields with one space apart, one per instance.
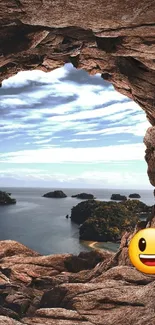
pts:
pixel 68 129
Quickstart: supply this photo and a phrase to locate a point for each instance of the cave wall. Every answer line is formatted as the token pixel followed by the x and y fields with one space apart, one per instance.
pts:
pixel 115 38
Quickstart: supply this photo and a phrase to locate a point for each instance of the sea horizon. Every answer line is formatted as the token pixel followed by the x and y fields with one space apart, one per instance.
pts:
pixel 92 188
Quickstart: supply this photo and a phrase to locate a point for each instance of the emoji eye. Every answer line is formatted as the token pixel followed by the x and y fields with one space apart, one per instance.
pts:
pixel 142 244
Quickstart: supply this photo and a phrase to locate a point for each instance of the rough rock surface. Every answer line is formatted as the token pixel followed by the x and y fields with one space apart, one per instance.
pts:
pixel 37 289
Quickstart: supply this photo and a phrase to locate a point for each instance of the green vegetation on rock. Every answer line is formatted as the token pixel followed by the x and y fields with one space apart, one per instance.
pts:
pixel 106 221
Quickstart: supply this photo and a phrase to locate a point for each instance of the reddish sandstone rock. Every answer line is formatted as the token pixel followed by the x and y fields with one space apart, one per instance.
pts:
pixel 11 247
pixel 43 291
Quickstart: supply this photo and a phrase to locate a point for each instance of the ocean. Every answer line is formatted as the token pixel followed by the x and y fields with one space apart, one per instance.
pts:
pixel 40 223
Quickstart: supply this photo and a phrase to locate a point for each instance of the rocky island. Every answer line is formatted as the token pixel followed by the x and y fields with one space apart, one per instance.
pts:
pixel 106 221
pixel 5 199
pixel 118 197
pixel 84 196
pixel 134 196
pixel 55 195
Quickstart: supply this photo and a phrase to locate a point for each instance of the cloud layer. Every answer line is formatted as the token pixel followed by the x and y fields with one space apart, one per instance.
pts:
pixel 66 116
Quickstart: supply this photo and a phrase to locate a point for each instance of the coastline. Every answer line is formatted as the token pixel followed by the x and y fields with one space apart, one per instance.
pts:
pixel 100 246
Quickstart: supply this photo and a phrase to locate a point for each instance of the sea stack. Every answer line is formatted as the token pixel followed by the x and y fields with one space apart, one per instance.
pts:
pixel 55 195
pixel 134 196
pixel 118 197
pixel 84 196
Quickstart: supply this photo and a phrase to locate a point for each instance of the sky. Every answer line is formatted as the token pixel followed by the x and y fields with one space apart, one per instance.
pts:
pixel 66 129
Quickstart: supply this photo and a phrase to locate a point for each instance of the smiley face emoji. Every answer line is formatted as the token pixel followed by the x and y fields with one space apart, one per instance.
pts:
pixel 142 250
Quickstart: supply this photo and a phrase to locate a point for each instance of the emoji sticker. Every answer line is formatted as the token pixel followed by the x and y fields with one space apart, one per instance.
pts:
pixel 142 250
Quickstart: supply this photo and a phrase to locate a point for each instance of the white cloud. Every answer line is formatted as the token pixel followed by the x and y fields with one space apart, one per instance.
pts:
pixel 23 78
pixel 84 155
pixel 12 101
pixel 110 119
pixel 81 140
pixel 124 141
pixel 43 141
pixel 115 178
pixel 138 130
pixel 96 113
pixel 108 179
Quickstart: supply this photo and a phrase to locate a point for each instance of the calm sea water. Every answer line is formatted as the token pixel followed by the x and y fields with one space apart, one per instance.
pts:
pixel 40 223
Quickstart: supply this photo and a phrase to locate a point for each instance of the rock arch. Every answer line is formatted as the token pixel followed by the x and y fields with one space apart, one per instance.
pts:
pixel 115 38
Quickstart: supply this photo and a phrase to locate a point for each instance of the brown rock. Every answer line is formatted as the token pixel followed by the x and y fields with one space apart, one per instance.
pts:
pixel 8 312
pixel 109 302
pixel 11 248
pixel 107 294
pixel 3 280
pixel 24 269
pixel 57 316
pixel 9 321
pixel 125 273
pixel 85 260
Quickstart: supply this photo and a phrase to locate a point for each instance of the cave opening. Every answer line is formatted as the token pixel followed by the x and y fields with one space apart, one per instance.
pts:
pixel 66 118
pixel 68 131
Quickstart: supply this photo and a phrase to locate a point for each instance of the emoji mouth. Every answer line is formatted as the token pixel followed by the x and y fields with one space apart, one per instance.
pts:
pixel 147 259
